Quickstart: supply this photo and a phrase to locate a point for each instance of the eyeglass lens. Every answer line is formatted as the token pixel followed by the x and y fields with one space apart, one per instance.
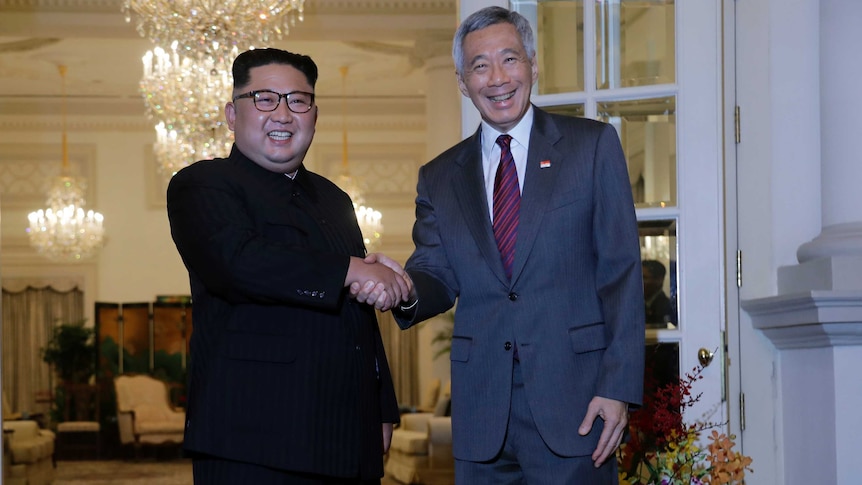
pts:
pixel 297 101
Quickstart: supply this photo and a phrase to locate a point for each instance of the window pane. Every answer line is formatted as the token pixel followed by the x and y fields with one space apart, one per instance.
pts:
pixel 658 256
pixel 662 366
pixel 634 43
pixel 647 129
pixel 568 110
pixel 560 46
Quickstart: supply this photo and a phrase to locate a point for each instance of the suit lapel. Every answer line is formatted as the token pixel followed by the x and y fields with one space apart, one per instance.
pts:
pixel 539 184
pixel 469 185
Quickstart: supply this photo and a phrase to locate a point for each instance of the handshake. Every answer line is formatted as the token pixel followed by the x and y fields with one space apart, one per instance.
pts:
pixel 380 281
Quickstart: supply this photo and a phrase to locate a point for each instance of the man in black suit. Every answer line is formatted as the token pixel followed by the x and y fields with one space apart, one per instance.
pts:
pixel 288 381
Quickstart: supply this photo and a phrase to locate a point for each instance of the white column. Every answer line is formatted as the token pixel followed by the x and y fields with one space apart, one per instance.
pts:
pixel 815 321
pixel 442 103
pixel 840 104
pixel 443 129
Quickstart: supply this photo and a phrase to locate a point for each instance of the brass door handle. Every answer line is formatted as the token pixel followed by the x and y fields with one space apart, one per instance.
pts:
pixel 705 356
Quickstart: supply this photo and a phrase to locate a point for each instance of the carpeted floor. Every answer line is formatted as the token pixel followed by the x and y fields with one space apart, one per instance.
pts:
pixel 118 472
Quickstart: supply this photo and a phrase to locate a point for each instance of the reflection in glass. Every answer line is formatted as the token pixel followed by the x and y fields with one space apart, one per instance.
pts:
pixel 662 366
pixel 658 263
pixel 567 110
pixel 647 129
pixel 560 45
pixel 634 42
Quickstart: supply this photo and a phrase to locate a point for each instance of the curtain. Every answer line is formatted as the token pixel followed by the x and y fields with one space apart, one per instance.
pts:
pixel 29 316
pixel 401 347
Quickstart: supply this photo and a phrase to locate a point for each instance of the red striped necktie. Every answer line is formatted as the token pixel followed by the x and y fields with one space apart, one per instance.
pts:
pixel 507 204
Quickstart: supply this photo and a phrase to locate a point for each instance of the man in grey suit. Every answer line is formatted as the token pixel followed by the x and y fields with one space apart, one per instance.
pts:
pixel 548 345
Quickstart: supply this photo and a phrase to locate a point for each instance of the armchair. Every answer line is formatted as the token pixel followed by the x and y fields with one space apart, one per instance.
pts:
pixel 421 450
pixel 144 412
pixel 30 453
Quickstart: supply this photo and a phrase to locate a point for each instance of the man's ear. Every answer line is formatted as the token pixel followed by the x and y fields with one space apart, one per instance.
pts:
pixel 461 86
pixel 230 114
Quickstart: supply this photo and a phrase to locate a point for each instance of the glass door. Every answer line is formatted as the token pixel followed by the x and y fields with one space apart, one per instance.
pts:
pixel 652 69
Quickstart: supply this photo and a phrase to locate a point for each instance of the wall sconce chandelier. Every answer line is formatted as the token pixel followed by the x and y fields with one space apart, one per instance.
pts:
pixel 65 231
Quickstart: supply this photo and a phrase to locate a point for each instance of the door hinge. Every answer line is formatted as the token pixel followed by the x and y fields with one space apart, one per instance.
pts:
pixel 738 268
pixel 742 411
pixel 737 123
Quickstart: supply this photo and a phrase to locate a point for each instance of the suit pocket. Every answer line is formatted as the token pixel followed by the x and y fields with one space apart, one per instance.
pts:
pixel 589 339
pixel 568 198
pixel 460 351
pixel 259 347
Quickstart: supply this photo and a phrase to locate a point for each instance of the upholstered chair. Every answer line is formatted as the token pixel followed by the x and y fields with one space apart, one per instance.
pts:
pixel 144 413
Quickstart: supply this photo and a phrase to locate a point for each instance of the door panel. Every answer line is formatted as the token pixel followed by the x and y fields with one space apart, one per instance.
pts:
pixel 655 75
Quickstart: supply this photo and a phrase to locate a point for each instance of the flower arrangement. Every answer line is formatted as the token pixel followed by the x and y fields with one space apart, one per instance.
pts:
pixel 663 450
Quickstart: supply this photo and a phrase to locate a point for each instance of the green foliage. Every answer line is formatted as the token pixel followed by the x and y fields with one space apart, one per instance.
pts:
pixel 72 352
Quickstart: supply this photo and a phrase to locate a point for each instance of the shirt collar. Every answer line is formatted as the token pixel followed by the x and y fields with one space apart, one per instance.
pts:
pixel 520 133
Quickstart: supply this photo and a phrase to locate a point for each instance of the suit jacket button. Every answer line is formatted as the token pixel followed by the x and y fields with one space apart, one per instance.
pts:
pixel 507 346
pixel 513 296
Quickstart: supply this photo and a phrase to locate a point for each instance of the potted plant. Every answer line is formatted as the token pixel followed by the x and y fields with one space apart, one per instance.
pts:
pixel 72 352
pixel 665 450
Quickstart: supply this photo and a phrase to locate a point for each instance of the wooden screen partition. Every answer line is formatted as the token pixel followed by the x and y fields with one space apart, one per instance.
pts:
pixel 145 338
pixel 172 327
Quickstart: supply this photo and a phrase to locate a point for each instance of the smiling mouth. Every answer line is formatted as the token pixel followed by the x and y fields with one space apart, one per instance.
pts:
pixel 502 97
pixel 280 135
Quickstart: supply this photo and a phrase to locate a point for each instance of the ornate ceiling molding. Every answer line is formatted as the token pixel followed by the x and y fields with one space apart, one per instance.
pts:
pixel 395 7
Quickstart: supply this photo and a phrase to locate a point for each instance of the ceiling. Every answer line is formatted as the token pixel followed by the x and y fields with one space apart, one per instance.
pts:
pixel 385 44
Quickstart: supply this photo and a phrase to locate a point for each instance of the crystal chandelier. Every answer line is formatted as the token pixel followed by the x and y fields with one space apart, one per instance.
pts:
pixel 184 96
pixel 370 220
pixel 65 231
pixel 187 76
pixel 214 27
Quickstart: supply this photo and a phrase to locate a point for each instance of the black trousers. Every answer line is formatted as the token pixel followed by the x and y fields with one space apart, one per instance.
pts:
pixel 209 470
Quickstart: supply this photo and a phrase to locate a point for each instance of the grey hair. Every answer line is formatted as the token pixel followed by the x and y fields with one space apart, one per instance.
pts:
pixel 487 17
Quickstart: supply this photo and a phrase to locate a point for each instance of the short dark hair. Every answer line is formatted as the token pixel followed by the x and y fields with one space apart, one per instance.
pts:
pixel 656 268
pixel 487 17
pixel 245 62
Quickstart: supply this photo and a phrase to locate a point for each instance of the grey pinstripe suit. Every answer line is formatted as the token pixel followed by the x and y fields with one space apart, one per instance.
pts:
pixel 574 305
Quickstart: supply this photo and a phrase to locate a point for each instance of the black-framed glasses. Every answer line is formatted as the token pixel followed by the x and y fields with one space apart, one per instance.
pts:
pixel 266 100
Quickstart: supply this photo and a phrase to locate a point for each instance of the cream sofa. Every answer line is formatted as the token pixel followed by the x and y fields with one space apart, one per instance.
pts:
pixel 421 450
pixel 31 453
pixel 144 413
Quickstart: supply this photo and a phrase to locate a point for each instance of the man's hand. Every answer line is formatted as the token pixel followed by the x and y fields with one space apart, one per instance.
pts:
pixel 387 436
pixel 616 417
pixel 373 293
pixel 384 287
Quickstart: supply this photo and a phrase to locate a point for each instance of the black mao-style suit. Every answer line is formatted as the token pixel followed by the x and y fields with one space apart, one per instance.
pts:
pixel 286 371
